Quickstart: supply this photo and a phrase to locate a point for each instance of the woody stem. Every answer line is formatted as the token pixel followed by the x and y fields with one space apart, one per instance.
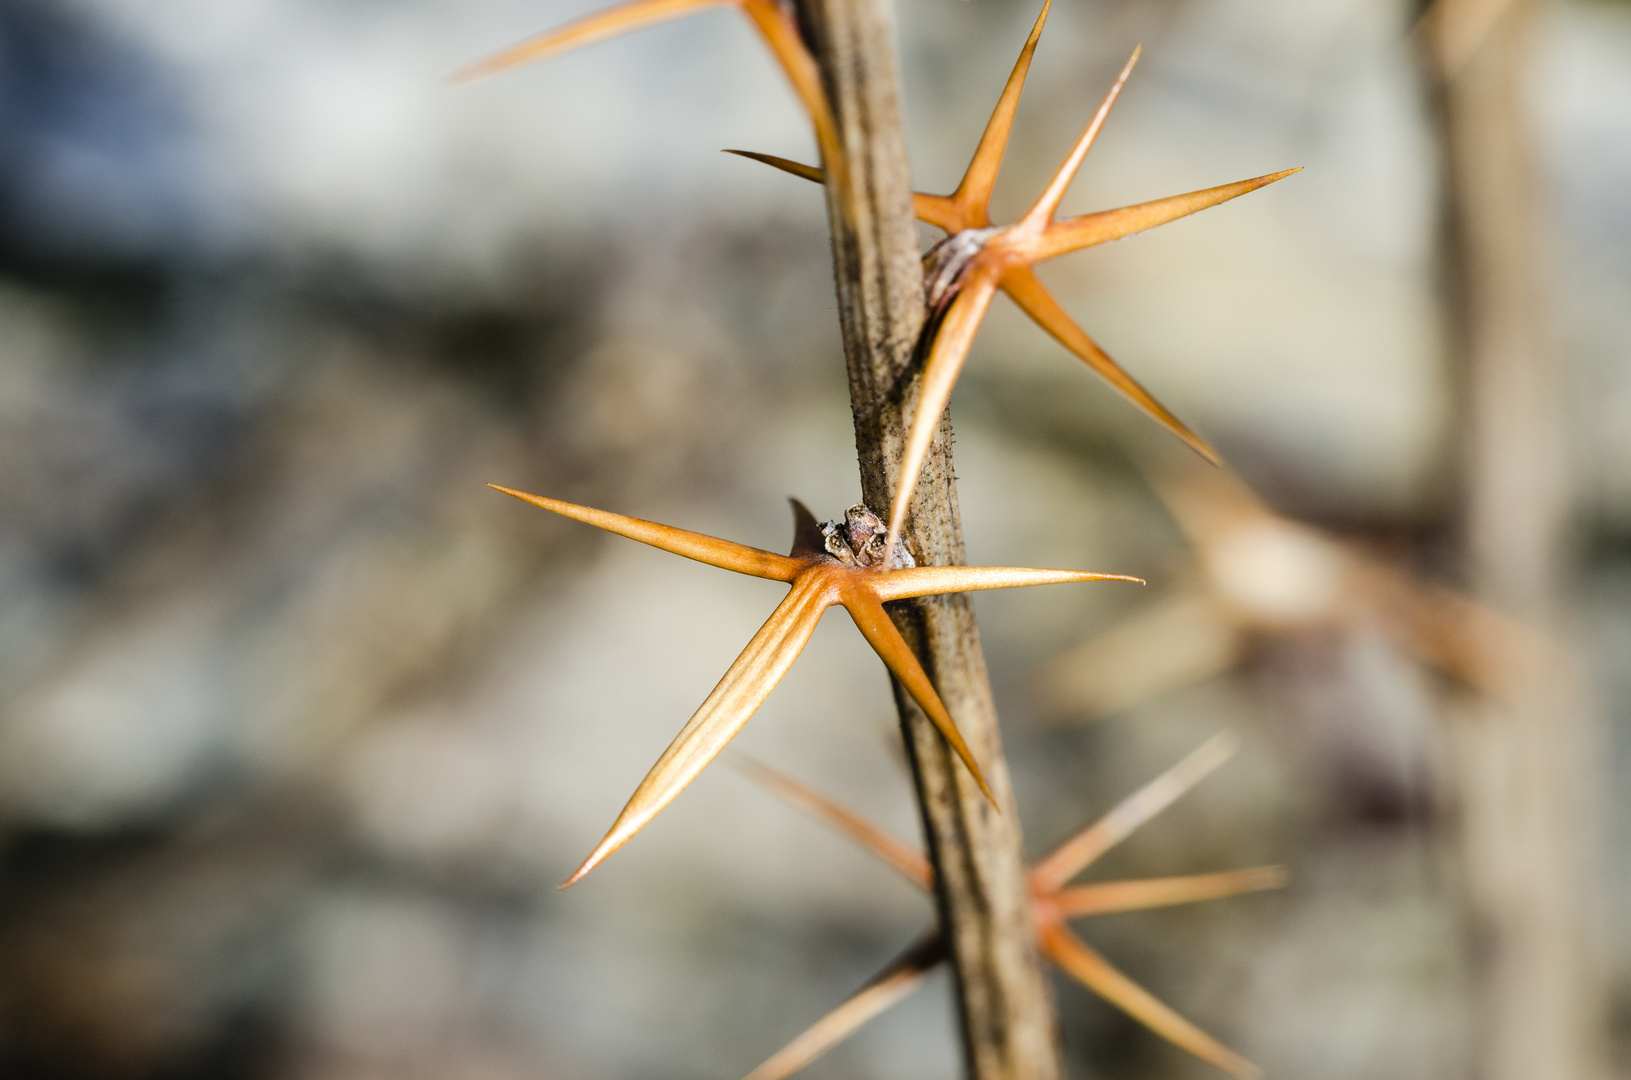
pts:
pixel 1004 1001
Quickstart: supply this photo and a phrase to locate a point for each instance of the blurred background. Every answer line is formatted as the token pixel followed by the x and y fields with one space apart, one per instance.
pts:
pixel 300 724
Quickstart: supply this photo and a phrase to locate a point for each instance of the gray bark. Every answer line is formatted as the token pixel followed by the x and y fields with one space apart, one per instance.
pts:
pixel 1004 998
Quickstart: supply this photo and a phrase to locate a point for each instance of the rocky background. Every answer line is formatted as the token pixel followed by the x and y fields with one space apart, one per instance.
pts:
pixel 300 724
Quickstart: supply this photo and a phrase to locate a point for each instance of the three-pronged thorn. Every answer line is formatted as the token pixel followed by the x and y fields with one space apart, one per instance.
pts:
pixel 1053 903
pixel 977 259
pixel 819 579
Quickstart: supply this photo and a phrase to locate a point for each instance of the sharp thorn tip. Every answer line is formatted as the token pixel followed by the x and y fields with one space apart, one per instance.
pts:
pixel 581 872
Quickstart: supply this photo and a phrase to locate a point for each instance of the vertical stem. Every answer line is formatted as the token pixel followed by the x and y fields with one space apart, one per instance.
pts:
pixel 1004 999
pixel 1522 766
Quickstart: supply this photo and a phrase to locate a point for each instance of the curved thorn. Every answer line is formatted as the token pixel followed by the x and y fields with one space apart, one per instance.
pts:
pixel 912 864
pixel 879 631
pixel 1043 210
pixel 1093 971
pixel 1072 857
pixel 741 691
pixel 699 546
pixel 946 356
pixel 890 985
pixel 1026 290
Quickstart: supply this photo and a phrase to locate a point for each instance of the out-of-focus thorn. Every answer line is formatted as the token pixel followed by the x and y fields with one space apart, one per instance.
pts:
pixel 911 863
pixel 893 983
pixel 585 31
pixel 1107 897
pixel 1177 641
pixel 771 18
pixel 1075 854
pixel 1093 971
pixel 1268 572
pixel 1051 906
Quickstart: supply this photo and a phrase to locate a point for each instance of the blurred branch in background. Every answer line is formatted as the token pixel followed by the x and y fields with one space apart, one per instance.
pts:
pixel 1265 574
pixel 1523 767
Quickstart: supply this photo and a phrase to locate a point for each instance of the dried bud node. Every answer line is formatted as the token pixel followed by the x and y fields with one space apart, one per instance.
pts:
pixel 858 540
pixel 945 263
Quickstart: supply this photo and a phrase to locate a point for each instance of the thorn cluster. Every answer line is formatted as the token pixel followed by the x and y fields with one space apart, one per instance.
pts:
pixel 818 581
pixel 977 259
pixel 860 564
pixel 1053 903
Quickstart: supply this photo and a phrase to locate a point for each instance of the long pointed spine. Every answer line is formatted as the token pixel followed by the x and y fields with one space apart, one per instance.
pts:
pixel 1096 973
pixel 889 986
pixel 1024 289
pixel 946 356
pixel 973 194
pixel 699 546
pixel 1101 227
pixel 732 703
pixel 594 27
pixel 905 859
pixel 875 625
pixel 1109 897
pixel 932 580
pixel 1074 855
pixel 1047 204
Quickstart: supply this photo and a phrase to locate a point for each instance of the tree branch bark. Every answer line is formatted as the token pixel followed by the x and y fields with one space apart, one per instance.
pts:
pixel 1005 1003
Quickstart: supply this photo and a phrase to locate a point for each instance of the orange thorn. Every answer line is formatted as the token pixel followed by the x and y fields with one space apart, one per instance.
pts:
pixel 818 581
